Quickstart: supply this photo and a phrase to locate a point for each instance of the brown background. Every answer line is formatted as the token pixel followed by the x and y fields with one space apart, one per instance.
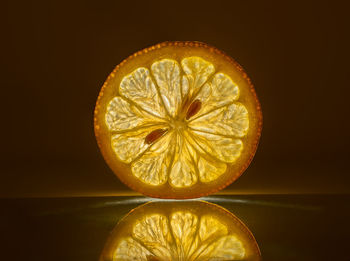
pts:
pixel 55 56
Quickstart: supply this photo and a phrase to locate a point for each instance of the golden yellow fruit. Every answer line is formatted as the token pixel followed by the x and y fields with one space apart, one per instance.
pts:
pixel 180 231
pixel 178 120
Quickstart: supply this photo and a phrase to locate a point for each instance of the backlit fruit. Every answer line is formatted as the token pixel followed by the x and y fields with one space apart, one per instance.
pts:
pixel 180 231
pixel 178 120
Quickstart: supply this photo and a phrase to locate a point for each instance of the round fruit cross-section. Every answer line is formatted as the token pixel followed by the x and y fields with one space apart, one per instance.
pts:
pixel 178 120
pixel 180 231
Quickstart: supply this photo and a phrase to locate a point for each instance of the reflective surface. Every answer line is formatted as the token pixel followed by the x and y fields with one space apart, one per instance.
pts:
pixel 180 231
pixel 285 227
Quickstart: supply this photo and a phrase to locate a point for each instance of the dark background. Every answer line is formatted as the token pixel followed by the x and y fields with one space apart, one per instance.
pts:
pixel 55 56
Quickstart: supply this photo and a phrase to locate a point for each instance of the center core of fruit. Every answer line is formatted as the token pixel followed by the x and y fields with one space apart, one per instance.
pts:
pixel 178 124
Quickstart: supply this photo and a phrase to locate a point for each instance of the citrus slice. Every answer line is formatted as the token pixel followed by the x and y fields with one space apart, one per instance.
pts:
pixel 178 120
pixel 180 231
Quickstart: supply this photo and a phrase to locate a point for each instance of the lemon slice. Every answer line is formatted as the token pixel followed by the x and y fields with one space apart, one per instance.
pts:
pixel 178 120
pixel 185 231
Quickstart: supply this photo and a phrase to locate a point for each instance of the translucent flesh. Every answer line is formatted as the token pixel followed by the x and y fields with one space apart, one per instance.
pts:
pixel 181 237
pixel 195 110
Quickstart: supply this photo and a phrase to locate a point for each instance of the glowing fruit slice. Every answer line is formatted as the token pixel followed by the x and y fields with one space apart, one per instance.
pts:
pixel 178 120
pixel 180 231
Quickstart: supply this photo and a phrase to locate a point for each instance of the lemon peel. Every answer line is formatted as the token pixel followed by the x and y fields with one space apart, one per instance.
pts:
pixel 178 120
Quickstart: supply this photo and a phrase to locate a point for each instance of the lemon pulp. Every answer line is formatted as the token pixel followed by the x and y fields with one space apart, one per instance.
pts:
pixel 193 113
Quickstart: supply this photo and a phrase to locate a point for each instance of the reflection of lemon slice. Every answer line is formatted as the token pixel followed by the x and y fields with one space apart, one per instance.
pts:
pixel 178 120
pixel 184 231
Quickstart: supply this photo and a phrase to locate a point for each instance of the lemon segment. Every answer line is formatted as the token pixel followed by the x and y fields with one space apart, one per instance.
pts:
pixel 167 75
pixel 123 116
pixel 209 170
pixel 129 145
pixel 197 71
pixel 128 249
pixel 153 231
pixel 222 148
pixel 225 247
pixel 231 120
pixel 211 227
pixel 183 172
pixel 183 225
pixel 219 92
pixel 139 88
pixel 152 167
